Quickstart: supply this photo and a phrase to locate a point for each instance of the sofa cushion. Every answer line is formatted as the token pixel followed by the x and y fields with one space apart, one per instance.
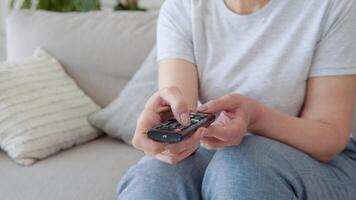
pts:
pixel 90 171
pixel 101 50
pixel 120 117
pixel 2 47
pixel 42 109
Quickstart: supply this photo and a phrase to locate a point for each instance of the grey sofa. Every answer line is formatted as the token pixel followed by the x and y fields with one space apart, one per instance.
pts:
pixel 101 51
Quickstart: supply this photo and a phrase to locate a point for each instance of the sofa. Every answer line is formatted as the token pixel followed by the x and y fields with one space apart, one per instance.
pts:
pixel 101 51
pixel 2 47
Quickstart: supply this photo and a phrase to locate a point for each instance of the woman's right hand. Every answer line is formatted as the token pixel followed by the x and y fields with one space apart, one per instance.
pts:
pixel 167 99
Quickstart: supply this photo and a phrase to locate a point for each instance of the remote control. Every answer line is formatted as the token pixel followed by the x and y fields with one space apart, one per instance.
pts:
pixel 171 131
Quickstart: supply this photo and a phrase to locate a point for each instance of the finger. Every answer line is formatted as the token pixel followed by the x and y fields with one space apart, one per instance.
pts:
pixel 185 154
pixel 178 157
pixel 156 104
pixel 172 97
pixel 227 102
pixel 187 143
pixel 151 147
pixel 221 132
pixel 150 154
pixel 168 153
pixel 147 120
pixel 227 130
pixel 164 158
pixel 140 140
pixel 178 104
pixel 164 109
pixel 213 143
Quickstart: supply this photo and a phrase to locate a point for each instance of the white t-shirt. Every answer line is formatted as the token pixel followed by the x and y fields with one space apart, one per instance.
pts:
pixel 267 55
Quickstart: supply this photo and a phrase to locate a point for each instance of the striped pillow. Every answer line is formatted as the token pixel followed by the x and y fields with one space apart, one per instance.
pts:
pixel 42 110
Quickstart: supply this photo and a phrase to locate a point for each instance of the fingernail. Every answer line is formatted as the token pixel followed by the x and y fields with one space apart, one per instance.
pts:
pixel 185 118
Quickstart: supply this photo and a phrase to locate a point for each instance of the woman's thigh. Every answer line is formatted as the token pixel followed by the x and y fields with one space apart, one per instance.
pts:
pixel 261 168
pixel 152 179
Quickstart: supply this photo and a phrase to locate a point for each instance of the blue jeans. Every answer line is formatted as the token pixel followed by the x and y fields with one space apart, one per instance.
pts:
pixel 259 168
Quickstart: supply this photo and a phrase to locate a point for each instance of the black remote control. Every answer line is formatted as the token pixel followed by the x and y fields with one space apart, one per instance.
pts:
pixel 171 131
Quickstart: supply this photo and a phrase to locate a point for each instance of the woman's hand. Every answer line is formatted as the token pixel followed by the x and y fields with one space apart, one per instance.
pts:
pixel 156 109
pixel 238 113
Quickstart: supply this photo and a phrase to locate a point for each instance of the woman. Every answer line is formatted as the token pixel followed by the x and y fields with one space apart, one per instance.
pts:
pixel 281 73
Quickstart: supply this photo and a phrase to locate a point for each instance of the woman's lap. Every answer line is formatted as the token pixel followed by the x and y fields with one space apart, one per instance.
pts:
pixel 153 179
pixel 259 168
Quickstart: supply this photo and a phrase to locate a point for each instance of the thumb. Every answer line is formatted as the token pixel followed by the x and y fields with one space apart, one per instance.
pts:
pixel 227 102
pixel 217 131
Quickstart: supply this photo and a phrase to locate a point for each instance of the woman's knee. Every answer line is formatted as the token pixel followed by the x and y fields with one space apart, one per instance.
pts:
pixel 153 179
pixel 255 165
pixel 150 179
pixel 254 151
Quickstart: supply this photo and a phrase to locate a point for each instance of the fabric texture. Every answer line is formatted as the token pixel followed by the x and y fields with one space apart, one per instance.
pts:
pixel 120 117
pixel 100 50
pixel 259 168
pixel 2 47
pixel 268 55
pixel 42 109
pixel 87 172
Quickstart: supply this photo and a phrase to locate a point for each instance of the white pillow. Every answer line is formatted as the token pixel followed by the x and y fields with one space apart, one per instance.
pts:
pixel 42 110
pixel 119 118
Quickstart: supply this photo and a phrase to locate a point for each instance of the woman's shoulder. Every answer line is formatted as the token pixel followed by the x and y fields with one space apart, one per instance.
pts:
pixel 335 6
pixel 342 6
pixel 338 12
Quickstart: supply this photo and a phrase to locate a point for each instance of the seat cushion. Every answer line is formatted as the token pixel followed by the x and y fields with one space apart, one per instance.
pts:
pixel 90 171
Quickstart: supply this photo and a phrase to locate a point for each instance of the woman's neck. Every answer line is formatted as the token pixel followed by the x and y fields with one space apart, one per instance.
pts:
pixel 246 7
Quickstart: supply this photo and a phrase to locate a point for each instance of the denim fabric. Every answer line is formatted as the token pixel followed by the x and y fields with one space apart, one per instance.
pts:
pixel 259 168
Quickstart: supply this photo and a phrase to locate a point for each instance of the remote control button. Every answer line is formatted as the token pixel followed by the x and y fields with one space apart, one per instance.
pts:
pixel 195 121
pixel 185 128
pixel 177 130
pixel 180 126
pixel 164 124
pixel 172 126
pixel 169 127
pixel 202 117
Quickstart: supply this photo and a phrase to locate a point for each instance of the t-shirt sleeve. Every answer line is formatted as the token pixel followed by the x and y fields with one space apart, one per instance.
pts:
pixel 335 52
pixel 174 32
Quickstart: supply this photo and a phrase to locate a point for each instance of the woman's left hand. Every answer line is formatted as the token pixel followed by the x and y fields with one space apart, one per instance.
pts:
pixel 238 113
